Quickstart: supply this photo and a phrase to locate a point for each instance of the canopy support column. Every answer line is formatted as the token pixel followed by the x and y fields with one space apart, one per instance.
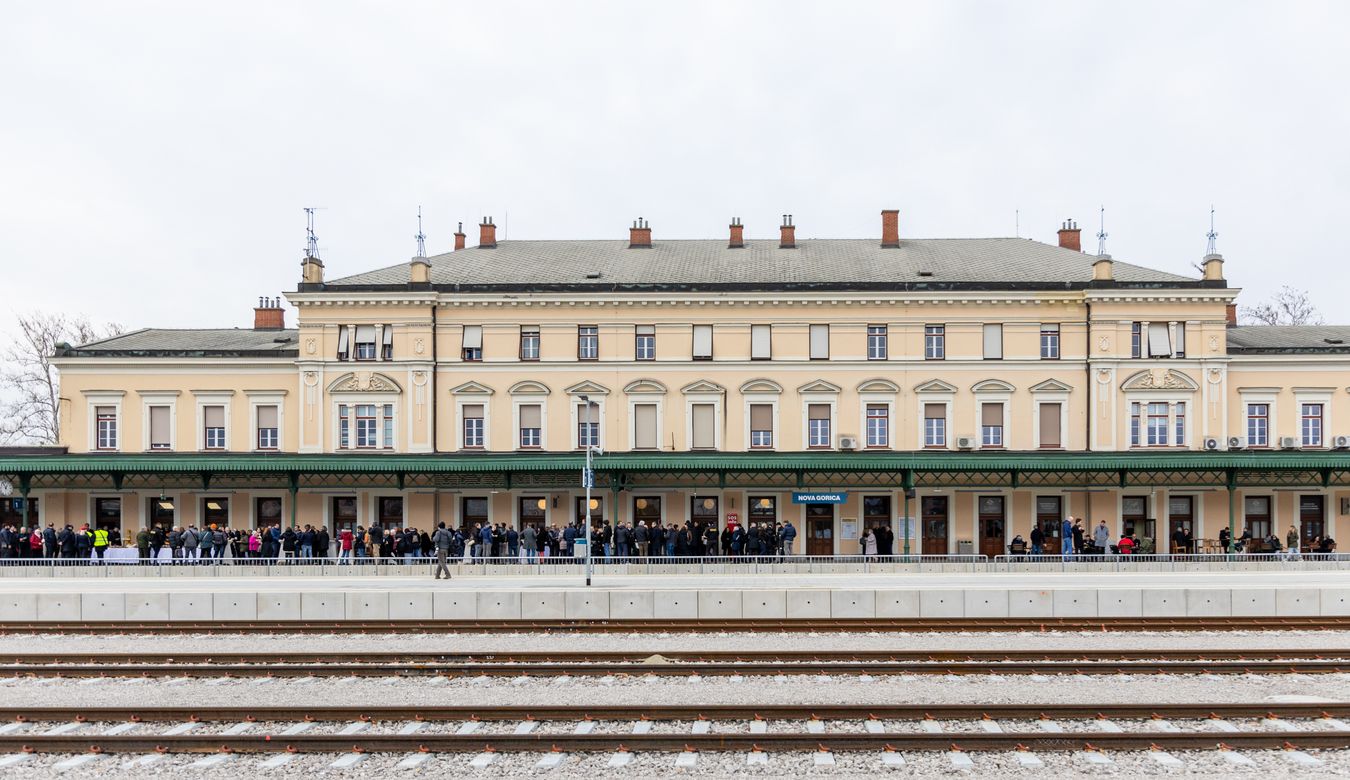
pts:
pixel 907 482
pixel 1232 508
pixel 293 485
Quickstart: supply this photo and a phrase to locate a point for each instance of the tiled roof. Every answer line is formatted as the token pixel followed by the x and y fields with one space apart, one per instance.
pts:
pixel 1252 339
pixel 192 342
pixel 838 263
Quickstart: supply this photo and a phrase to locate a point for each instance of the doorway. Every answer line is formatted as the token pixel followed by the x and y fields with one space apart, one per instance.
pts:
pixel 1050 519
pixel 1181 518
pixel 820 529
pixel 993 524
pixel 1256 510
pixel 1312 519
pixel 160 512
pixel 933 513
pixel 344 513
pixel 266 512
pixel 1134 519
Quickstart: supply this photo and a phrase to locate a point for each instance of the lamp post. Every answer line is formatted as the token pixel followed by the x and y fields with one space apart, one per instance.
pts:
pixel 587 481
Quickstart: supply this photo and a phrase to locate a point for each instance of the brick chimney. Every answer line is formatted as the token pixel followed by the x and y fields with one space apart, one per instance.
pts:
pixel 890 229
pixel 788 234
pixel 737 234
pixel 1070 237
pixel 487 234
pixel 640 235
pixel 269 315
pixel 459 237
pixel 1230 315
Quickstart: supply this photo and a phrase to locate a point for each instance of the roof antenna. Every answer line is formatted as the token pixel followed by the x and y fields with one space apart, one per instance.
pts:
pixel 1101 234
pixel 1211 235
pixel 421 237
pixel 1017 222
pixel 312 244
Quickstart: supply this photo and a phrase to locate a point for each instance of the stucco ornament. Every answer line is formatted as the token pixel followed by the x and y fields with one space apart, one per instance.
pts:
pixel 364 381
pixel 1213 343
pixel 1159 379
pixel 1104 344
pixel 1215 376
pixel 311 346
pixel 419 346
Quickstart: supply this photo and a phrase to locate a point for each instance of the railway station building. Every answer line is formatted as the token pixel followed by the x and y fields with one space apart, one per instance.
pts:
pixel 959 391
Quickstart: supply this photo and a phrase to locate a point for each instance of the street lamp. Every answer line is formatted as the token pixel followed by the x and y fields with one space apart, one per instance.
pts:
pixel 587 481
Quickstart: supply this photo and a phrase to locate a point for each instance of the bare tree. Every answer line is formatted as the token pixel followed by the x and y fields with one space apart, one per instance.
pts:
pixel 1289 306
pixel 30 410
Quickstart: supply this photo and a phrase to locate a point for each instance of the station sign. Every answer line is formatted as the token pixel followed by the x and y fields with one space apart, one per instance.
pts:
pixel 820 498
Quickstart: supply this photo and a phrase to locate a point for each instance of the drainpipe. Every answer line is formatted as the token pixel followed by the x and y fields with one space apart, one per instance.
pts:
pixel 1232 508
pixel 435 400
pixel 1087 368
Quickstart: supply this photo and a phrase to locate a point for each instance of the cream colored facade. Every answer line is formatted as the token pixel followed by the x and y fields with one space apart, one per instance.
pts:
pixel 424 385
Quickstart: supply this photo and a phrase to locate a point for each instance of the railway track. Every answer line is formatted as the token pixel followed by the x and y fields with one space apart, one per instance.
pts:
pixel 725 663
pixel 684 626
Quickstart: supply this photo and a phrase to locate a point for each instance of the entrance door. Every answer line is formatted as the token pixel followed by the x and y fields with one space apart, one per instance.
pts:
pixel 1257 512
pixel 160 511
pixel 934 517
pixel 993 521
pixel 1050 518
pixel 108 516
pixel 1134 519
pixel 215 512
pixel 266 512
pixel 1312 519
pixel 344 514
pixel 820 529
pixel 1181 517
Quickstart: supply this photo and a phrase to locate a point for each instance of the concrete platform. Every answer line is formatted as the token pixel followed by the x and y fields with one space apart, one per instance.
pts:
pixel 758 597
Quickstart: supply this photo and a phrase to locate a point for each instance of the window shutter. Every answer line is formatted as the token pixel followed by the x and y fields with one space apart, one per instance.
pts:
pixel 934 411
pixel 267 416
pixel 818 412
pixel 159 425
pixel 991 414
pixel 531 416
pixel 820 342
pixel 644 426
pixel 342 341
pixel 993 342
pixel 761 417
pixel 1181 338
pixel 473 336
pixel 646 330
pixel 365 334
pixel 760 337
pixel 1050 425
pixel 703 341
pixel 473 411
pixel 704 426
pixel 1158 343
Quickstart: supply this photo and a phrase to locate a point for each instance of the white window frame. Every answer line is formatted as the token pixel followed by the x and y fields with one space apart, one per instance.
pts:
pixel 694 332
pixel 270 398
pixel 1050 340
pixel 150 398
pixel 205 398
pixel 638 338
pixel 537 333
pixel 1267 396
pixel 876 399
pixel 1171 399
pixel 770 399
pixel 529 400
pixel 883 342
pixel 659 401
pixel 1313 396
pixel 474 399
pixel 95 399
pixel 595 336
pixel 829 399
pixel 356 343
pixel 991 327
pixel 947 399
pixel 939 338
pixel 983 397
pixel 576 404
pixel 810 342
pixel 764 332
pixel 1050 397
pixel 465 341
pixel 716 399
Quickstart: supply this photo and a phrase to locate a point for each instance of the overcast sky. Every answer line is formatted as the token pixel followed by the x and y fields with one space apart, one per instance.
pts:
pixel 155 157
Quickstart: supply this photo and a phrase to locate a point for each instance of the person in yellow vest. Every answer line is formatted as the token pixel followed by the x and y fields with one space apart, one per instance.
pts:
pixel 100 542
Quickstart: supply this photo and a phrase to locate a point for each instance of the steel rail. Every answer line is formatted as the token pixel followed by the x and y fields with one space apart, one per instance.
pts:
pixel 838 741
pixel 720 712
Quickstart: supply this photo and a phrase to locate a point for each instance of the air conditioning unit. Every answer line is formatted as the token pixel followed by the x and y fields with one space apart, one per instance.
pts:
pixel 1211 443
pixel 1237 443
pixel 1288 442
pixel 848 442
pixel 1340 442
pixel 965 442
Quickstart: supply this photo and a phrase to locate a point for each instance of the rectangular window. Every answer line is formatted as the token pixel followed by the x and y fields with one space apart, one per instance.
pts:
pixel 1311 425
pixel 761 425
pixel 704 426
pixel 529 342
pixel 531 426
pixel 472 351
pixel 1135 424
pixel 935 342
pixel 763 508
pixel 991 425
pixel 473 426
pixel 1136 339
pixel 878 425
pixel 647 508
pixel 935 425
pixel 993 341
pixel 365 342
pixel 473 510
pixel 105 430
pixel 818 425
pixel 877 338
pixel 1179 422
pixel 367 435
pixel 388 426
pixel 387 348
pixel 1050 425
pixel 820 342
pixel 1049 341
pixel 213 422
pixel 160 438
pixel 588 342
pixel 268 430
pixel 344 428
pixel 703 342
pixel 1159 344
pixel 588 426
pixel 1156 425
pixel 1181 340
pixel 761 342
pixel 343 336
pixel 644 427
pixel 1258 425
pixel 644 342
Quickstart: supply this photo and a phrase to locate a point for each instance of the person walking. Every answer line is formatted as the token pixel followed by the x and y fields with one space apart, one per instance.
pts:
pixel 1066 538
pixel 529 544
pixel 788 536
pixel 443 540
pixel 1101 537
pixel 1291 540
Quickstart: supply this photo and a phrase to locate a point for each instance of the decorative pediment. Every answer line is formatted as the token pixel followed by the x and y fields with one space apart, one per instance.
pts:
pixel 644 387
pixel 878 385
pixel 364 382
pixel 471 388
pixel 528 387
pixel 587 387
pixel 1159 379
pixel 819 386
pixel 992 386
pixel 1051 386
pixel 761 386
pixel 702 386
pixel 935 386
